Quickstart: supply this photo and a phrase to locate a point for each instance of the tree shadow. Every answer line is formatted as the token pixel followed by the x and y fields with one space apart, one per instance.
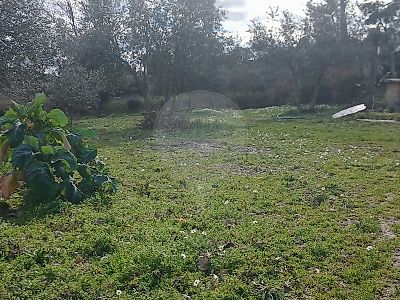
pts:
pixel 27 211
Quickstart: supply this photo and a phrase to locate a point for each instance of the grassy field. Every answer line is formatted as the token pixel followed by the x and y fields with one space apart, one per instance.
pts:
pixel 250 208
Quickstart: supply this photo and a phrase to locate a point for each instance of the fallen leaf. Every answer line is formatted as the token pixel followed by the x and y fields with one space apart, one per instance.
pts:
pixel 183 220
pixel 8 185
pixel 4 151
pixel 67 145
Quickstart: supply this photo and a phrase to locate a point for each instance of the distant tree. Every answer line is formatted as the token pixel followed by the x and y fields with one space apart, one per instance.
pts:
pixel 26 55
pixel 175 44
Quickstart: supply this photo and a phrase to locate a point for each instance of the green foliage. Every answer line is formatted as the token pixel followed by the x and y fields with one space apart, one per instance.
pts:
pixel 51 160
pixel 263 181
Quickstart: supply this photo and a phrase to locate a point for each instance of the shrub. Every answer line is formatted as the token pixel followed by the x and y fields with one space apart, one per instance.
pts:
pixel 135 105
pixel 51 161
pixel 76 91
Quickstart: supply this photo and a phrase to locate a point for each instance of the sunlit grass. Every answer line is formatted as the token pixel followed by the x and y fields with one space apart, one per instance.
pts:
pixel 267 208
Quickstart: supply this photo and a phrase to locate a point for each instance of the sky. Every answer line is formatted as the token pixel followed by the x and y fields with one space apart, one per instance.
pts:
pixel 241 12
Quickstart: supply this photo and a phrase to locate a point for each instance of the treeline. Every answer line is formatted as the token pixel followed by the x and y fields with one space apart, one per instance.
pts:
pixel 84 53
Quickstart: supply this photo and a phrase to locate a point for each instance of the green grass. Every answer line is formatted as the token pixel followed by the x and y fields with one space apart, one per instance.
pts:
pixel 281 210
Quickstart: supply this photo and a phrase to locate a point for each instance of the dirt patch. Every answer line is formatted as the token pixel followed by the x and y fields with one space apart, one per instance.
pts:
pixel 389 291
pixel 245 170
pixel 389 197
pixel 250 149
pixel 209 147
pixel 348 222
pixel 386 228
pixel 396 258
pixel 201 147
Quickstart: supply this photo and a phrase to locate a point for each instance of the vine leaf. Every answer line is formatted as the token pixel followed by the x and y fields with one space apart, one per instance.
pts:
pixel 39 178
pixel 88 155
pixel 106 182
pixel 22 156
pixel 39 101
pixel 58 117
pixel 47 150
pixel 4 120
pixel 63 155
pixel 72 192
pixel 32 141
pixel 16 133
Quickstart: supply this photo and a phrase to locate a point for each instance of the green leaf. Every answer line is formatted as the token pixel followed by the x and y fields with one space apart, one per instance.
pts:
pixel 21 110
pixel 72 192
pixel 47 150
pixel 83 170
pixel 22 156
pixel 60 136
pixel 89 133
pixel 11 114
pixel 32 141
pixel 105 182
pixel 63 169
pixel 75 142
pixel 88 155
pixel 40 180
pixel 16 133
pixel 4 120
pixel 39 101
pixel 63 154
pixel 87 186
pixel 58 117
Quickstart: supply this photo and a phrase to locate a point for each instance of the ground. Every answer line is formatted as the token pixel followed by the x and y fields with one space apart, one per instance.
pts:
pixel 254 208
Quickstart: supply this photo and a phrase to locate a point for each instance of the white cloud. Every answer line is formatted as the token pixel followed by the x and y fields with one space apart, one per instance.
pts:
pixel 241 12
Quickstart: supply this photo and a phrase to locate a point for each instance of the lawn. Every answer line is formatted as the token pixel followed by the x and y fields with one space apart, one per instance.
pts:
pixel 243 206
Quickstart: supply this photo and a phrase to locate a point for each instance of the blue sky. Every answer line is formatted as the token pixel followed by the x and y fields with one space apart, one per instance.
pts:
pixel 241 12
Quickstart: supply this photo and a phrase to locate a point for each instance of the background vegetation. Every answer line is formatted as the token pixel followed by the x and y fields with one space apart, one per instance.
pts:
pixel 266 209
pixel 84 53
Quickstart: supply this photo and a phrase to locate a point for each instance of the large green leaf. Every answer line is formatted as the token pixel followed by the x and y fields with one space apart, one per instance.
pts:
pixel 39 100
pixel 89 134
pixel 75 142
pixel 105 182
pixel 72 192
pixel 11 114
pixel 4 120
pixel 58 117
pixel 63 169
pixel 39 179
pixel 62 154
pixel 32 141
pixel 22 156
pixel 47 150
pixel 16 134
pixel 87 186
pixel 21 110
pixel 83 170
pixel 87 156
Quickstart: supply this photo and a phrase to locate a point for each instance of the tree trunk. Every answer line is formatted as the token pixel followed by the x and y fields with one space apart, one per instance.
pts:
pixel 317 87
pixel 343 20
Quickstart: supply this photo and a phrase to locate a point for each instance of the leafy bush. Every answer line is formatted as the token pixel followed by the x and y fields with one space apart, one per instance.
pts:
pixel 135 104
pixel 76 91
pixel 52 161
